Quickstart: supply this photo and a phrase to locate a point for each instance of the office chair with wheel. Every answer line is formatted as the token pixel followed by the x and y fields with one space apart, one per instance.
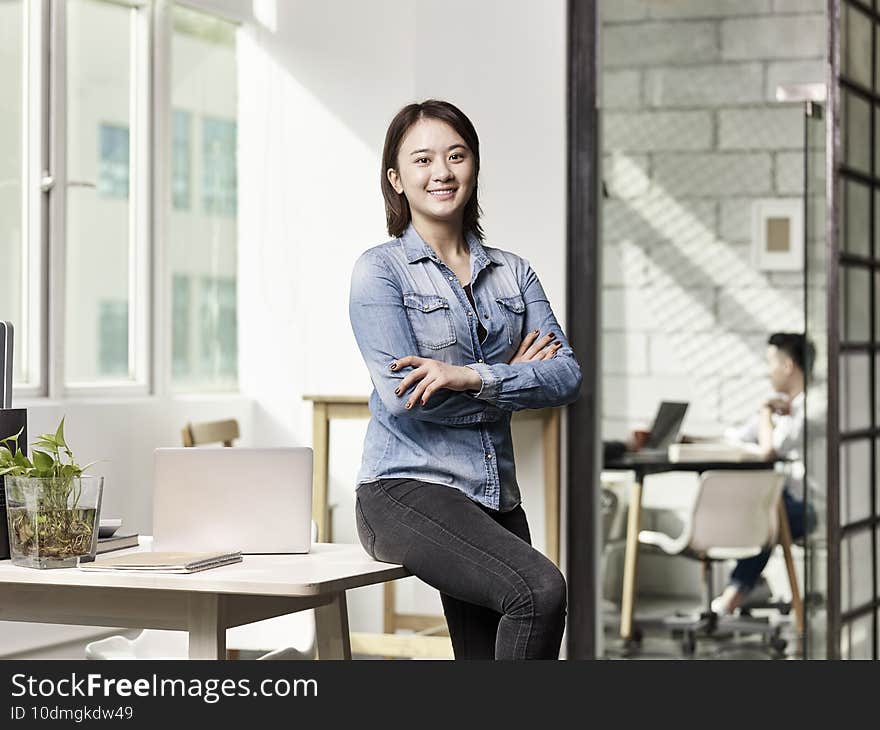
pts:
pixel 734 516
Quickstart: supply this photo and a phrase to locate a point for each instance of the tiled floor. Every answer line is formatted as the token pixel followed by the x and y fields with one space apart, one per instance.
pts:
pixel 657 642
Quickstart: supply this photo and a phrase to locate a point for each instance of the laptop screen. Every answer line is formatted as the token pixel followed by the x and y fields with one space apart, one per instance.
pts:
pixel 667 423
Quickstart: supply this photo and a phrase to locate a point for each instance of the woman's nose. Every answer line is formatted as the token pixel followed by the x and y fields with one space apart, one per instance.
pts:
pixel 442 172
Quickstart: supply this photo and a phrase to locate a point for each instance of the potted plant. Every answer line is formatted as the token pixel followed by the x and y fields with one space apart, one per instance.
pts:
pixel 51 508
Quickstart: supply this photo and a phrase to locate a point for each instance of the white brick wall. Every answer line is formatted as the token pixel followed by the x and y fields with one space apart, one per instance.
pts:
pixel 704 85
pixel 693 136
pixel 789 175
pixel 777 37
pixel 621 90
pixel 792 72
pixel 713 174
pixel 652 43
pixel 652 131
pixel 761 129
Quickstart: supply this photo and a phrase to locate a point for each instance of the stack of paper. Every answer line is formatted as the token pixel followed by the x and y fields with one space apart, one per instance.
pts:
pixel 714 451
pixel 164 562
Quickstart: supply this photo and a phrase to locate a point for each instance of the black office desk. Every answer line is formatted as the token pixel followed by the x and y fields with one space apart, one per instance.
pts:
pixel 642 468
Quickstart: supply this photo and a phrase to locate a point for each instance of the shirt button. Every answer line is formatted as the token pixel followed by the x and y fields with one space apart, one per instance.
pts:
pixel 485 316
pixel 470 314
pixel 451 278
pixel 479 360
pixel 489 456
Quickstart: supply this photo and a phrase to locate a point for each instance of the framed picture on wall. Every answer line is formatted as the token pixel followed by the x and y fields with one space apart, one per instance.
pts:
pixel 778 234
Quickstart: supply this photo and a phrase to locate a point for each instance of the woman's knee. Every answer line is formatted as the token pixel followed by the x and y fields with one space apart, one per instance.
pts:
pixel 543 594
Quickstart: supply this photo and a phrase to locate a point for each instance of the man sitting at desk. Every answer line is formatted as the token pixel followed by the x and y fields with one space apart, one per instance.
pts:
pixel 778 429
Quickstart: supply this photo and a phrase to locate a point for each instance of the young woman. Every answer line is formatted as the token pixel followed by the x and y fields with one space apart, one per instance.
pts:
pixel 456 336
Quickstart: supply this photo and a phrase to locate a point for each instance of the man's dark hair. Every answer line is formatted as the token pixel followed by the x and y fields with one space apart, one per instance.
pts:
pixel 797 347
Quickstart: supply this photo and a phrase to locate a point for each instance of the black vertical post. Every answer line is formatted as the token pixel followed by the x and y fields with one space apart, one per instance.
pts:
pixel 583 319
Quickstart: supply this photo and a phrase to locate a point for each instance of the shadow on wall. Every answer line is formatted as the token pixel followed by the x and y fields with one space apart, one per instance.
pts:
pixel 682 281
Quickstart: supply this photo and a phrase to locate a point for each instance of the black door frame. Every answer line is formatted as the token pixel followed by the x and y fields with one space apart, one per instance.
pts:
pixel 583 319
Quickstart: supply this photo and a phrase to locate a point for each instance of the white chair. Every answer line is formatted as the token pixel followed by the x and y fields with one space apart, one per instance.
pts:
pixel 295 632
pixel 734 516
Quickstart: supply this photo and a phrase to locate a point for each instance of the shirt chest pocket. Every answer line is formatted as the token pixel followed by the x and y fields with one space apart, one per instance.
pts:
pixel 430 319
pixel 514 311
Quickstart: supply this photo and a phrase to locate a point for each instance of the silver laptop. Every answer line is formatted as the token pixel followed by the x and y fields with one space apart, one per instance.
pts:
pixel 252 500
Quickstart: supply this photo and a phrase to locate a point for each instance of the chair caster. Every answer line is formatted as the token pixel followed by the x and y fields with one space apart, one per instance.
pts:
pixel 778 644
pixel 634 643
pixel 689 644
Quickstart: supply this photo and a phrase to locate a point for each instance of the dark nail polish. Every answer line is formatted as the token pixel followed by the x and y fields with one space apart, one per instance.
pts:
pixel 551 335
pixel 397 391
pixel 394 366
pixel 409 405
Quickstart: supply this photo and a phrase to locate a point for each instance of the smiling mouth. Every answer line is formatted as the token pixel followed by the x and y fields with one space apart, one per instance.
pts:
pixel 445 193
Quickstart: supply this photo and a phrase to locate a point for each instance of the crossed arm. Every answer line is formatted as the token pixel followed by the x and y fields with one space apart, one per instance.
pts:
pixel 432 390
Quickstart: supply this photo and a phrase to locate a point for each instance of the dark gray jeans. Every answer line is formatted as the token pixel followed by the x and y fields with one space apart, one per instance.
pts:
pixel 502 598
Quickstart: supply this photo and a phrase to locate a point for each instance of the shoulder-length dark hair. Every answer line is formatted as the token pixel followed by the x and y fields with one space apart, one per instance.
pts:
pixel 397 212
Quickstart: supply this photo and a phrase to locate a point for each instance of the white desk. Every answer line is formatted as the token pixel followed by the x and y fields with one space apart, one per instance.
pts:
pixel 206 603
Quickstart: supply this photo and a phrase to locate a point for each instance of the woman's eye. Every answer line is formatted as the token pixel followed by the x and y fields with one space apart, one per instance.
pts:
pixel 456 156
pixel 422 160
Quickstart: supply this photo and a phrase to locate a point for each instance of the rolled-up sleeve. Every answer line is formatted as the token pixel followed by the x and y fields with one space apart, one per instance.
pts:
pixel 538 384
pixel 384 334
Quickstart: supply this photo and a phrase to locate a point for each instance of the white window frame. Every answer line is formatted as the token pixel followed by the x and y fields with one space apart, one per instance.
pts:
pixel 45 140
pixel 31 330
pixel 139 223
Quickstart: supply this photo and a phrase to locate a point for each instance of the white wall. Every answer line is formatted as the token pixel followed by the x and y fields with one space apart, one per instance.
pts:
pixel 316 95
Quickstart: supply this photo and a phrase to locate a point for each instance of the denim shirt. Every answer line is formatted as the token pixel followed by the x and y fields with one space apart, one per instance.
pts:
pixel 405 301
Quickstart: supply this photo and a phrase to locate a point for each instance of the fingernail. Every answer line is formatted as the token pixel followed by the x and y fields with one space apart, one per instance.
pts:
pixel 535 331
pixel 409 404
pixel 394 366
pixel 551 335
pixel 422 402
pixel 397 391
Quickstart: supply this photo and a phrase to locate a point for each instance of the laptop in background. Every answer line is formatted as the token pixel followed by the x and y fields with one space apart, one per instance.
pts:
pixel 664 431
pixel 258 501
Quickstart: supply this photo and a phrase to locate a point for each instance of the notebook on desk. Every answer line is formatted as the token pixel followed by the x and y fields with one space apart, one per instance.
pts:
pixel 164 562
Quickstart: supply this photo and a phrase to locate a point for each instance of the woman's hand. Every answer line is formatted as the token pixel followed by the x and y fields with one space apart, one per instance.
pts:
pixel 430 375
pixel 531 348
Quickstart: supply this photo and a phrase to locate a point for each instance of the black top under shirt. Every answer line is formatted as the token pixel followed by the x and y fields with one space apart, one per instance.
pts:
pixel 481 331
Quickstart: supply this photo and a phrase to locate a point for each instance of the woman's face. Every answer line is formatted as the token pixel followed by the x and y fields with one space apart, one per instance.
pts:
pixel 435 171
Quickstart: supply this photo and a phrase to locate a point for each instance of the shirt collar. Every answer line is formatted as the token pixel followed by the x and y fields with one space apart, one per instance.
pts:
pixel 416 249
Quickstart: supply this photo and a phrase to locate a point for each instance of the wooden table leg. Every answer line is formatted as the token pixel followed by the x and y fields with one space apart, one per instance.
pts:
pixel 321 479
pixel 331 627
pixel 797 602
pixel 207 629
pixel 631 562
pixel 551 482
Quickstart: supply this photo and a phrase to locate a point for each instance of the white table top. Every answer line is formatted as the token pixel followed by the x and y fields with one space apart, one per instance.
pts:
pixel 328 568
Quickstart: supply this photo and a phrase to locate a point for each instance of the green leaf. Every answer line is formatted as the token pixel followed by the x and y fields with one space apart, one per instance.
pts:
pixel 5 454
pixel 59 434
pixel 21 460
pixel 9 470
pixel 43 461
